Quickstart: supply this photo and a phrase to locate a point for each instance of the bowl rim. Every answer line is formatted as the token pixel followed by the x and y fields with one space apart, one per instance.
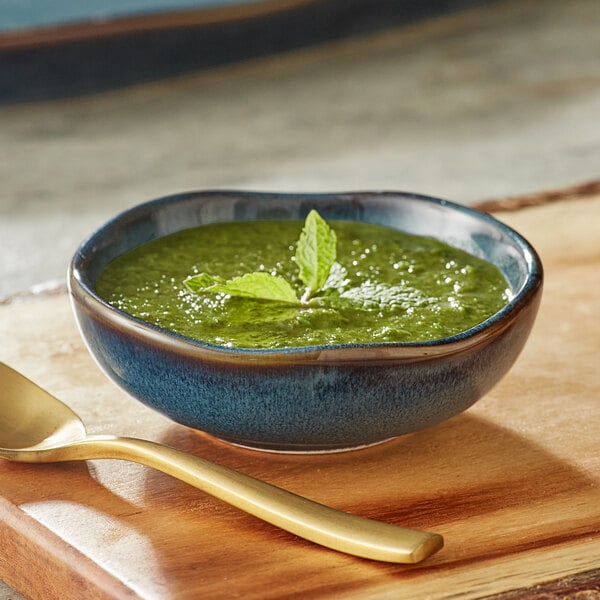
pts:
pixel 84 296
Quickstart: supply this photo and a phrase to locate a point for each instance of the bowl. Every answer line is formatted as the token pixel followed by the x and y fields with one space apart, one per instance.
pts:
pixel 316 398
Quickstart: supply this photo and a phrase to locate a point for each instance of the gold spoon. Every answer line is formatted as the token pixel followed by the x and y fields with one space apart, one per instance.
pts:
pixel 36 427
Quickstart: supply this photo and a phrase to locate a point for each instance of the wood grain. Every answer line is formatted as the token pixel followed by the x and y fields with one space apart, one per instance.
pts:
pixel 513 483
pixel 583 586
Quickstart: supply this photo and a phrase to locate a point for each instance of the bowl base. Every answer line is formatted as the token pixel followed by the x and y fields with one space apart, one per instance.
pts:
pixel 297 448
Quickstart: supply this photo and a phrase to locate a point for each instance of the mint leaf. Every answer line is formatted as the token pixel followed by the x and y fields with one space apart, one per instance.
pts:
pixel 315 254
pixel 370 297
pixel 382 295
pixel 198 283
pixel 259 285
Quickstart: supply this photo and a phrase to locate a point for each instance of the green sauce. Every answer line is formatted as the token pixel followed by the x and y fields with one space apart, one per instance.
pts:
pixel 386 286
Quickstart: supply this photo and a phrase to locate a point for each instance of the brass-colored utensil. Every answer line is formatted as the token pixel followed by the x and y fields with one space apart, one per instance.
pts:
pixel 37 427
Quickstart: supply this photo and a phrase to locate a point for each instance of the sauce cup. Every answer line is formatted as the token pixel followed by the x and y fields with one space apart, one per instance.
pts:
pixel 315 398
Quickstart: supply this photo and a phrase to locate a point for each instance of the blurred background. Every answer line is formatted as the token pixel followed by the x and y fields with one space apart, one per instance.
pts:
pixel 107 104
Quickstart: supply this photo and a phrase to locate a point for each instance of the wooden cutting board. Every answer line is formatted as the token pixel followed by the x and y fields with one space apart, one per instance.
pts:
pixel 513 484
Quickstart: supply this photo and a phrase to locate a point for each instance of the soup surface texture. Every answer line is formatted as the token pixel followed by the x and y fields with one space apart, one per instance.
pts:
pixel 385 286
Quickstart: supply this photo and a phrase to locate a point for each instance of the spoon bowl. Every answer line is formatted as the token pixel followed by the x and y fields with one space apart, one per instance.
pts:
pixel 37 427
pixel 38 421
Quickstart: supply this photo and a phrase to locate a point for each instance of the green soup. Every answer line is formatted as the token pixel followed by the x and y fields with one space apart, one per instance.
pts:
pixel 386 286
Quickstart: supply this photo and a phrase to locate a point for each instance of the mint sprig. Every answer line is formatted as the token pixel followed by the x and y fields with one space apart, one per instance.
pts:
pixel 315 255
pixel 259 285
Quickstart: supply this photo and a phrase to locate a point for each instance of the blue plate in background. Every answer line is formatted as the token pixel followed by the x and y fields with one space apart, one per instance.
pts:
pixel 69 47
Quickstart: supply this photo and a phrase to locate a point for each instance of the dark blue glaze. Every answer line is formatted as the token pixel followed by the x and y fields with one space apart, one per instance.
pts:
pixel 314 398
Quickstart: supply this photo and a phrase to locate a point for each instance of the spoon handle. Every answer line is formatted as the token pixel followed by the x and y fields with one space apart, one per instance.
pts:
pixel 308 519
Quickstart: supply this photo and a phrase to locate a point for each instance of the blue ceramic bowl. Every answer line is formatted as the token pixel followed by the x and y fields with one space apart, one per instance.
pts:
pixel 316 398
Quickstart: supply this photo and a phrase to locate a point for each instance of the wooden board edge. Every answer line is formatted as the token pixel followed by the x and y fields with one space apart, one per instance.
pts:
pixel 512 577
pixel 49 288
pixel 580 191
pixel 585 586
pixel 40 565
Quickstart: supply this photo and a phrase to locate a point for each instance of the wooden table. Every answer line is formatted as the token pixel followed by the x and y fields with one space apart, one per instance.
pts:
pixel 513 483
